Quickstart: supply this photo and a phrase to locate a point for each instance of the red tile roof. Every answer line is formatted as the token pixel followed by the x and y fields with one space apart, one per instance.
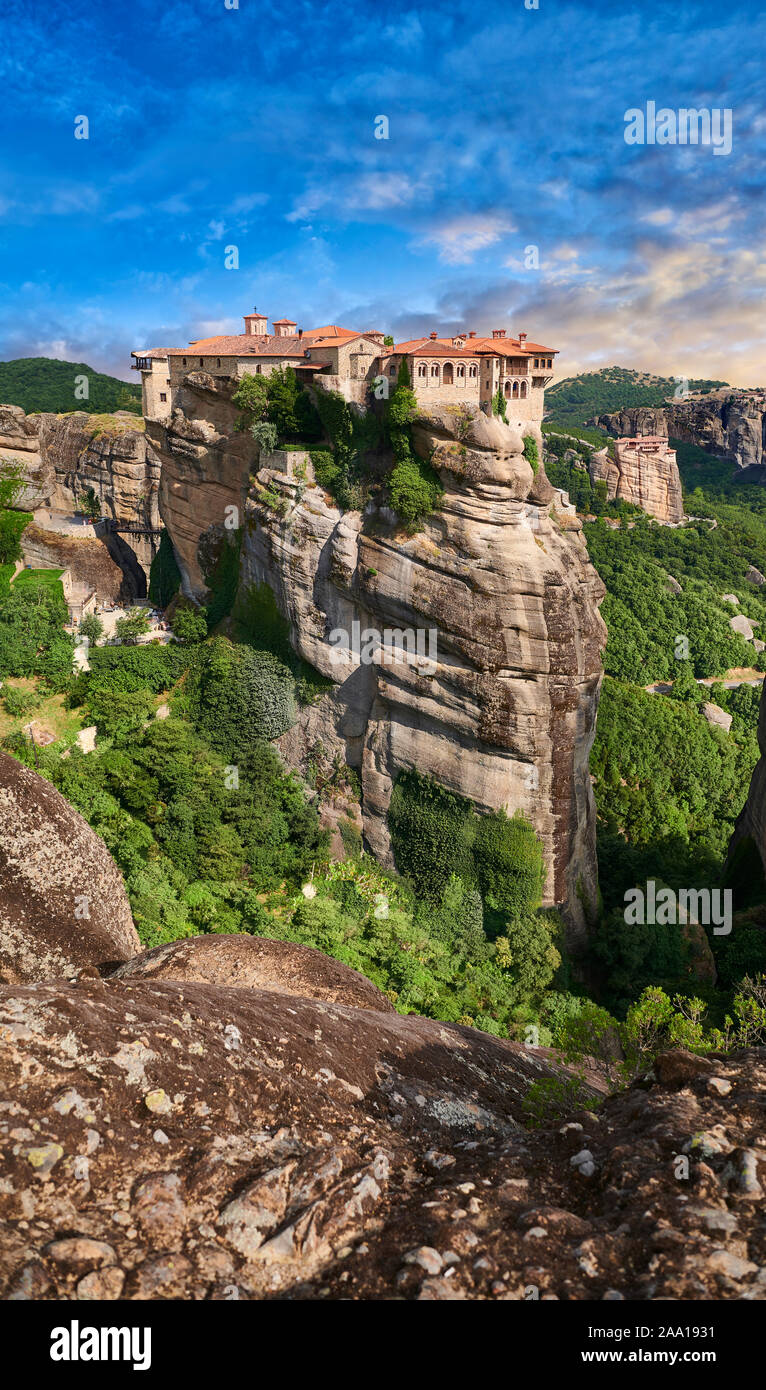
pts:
pixel 244 345
pixel 439 347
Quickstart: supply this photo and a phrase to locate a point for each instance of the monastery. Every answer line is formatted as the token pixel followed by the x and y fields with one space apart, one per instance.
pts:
pixel 460 370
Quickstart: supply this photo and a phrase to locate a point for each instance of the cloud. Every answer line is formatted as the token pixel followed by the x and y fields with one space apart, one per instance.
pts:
pixel 460 239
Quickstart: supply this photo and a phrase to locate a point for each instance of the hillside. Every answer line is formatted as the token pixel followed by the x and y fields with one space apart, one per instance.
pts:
pixel 579 398
pixel 45 383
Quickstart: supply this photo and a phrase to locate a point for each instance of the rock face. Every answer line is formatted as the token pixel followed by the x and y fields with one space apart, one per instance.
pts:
pixel 643 471
pixel 499 587
pixel 254 962
pixel 62 900
pixel 751 825
pixel 62 456
pixel 205 469
pixel 187 1141
pixel 728 424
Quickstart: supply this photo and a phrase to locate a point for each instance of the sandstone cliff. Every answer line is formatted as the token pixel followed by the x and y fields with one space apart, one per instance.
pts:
pixel 643 472
pixel 734 428
pixel 750 830
pixel 501 579
pixel 500 576
pixel 62 456
pixel 205 469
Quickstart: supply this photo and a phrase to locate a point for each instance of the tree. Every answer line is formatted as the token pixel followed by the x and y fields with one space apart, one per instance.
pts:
pixel 90 504
pixel 190 625
pixel 132 626
pixel 91 627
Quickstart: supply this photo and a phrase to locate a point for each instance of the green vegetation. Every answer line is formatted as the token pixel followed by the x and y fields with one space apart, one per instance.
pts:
pixel 91 627
pixel 135 624
pixel 645 617
pixel 277 409
pixel 531 452
pixel 577 399
pixel 164 575
pixel 44 383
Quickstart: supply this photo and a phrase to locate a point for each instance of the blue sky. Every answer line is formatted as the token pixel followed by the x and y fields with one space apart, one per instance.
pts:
pixel 255 127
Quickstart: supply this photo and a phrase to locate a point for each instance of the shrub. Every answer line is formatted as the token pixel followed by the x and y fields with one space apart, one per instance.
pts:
pixel 190 625
pixel 132 626
pixel 415 491
pixel 510 866
pixel 91 627
pixel 241 695
pixel 531 452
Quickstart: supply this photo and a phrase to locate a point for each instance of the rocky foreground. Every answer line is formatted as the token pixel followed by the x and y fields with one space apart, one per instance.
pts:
pixel 166 1139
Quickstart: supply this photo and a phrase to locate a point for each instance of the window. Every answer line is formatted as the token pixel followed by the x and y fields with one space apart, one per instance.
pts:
pixel 163 396
pixel 422 370
pixel 460 369
pixel 202 361
pixel 217 361
pixel 184 361
pixel 472 370
pixel 392 370
pixel 258 369
pixel 435 369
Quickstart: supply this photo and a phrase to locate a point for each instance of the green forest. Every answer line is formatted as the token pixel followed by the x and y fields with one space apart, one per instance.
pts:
pixel 45 383
pixel 577 399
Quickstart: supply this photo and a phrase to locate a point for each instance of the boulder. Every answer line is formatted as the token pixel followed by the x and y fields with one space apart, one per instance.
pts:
pixel 715 715
pixel 256 962
pixel 743 626
pixel 63 904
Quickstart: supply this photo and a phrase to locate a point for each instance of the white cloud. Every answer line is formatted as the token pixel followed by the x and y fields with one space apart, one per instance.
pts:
pixel 462 238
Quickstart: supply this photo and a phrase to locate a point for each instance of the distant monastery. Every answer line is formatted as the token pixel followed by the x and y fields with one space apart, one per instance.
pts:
pixel 459 370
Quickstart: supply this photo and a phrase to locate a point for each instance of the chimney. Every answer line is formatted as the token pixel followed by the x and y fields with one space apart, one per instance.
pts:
pixel 300 332
pixel 472 335
pixel 522 337
pixel 498 332
pixel 434 335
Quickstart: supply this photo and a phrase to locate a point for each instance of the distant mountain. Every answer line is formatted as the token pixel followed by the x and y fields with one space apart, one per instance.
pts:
pixel 579 398
pixel 45 383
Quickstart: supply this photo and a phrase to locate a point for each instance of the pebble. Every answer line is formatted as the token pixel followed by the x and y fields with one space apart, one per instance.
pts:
pixel 424 1255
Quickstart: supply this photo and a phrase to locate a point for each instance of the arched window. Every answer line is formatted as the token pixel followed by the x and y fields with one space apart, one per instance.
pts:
pixel 258 369
pixel 460 370
pixel 448 374
pixel 435 370
pixel 184 361
pixel 523 388
pixel 217 361
pixel 515 391
pixel 472 371
pixel 392 370
pixel 422 369
pixel 202 361
pixel 507 390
